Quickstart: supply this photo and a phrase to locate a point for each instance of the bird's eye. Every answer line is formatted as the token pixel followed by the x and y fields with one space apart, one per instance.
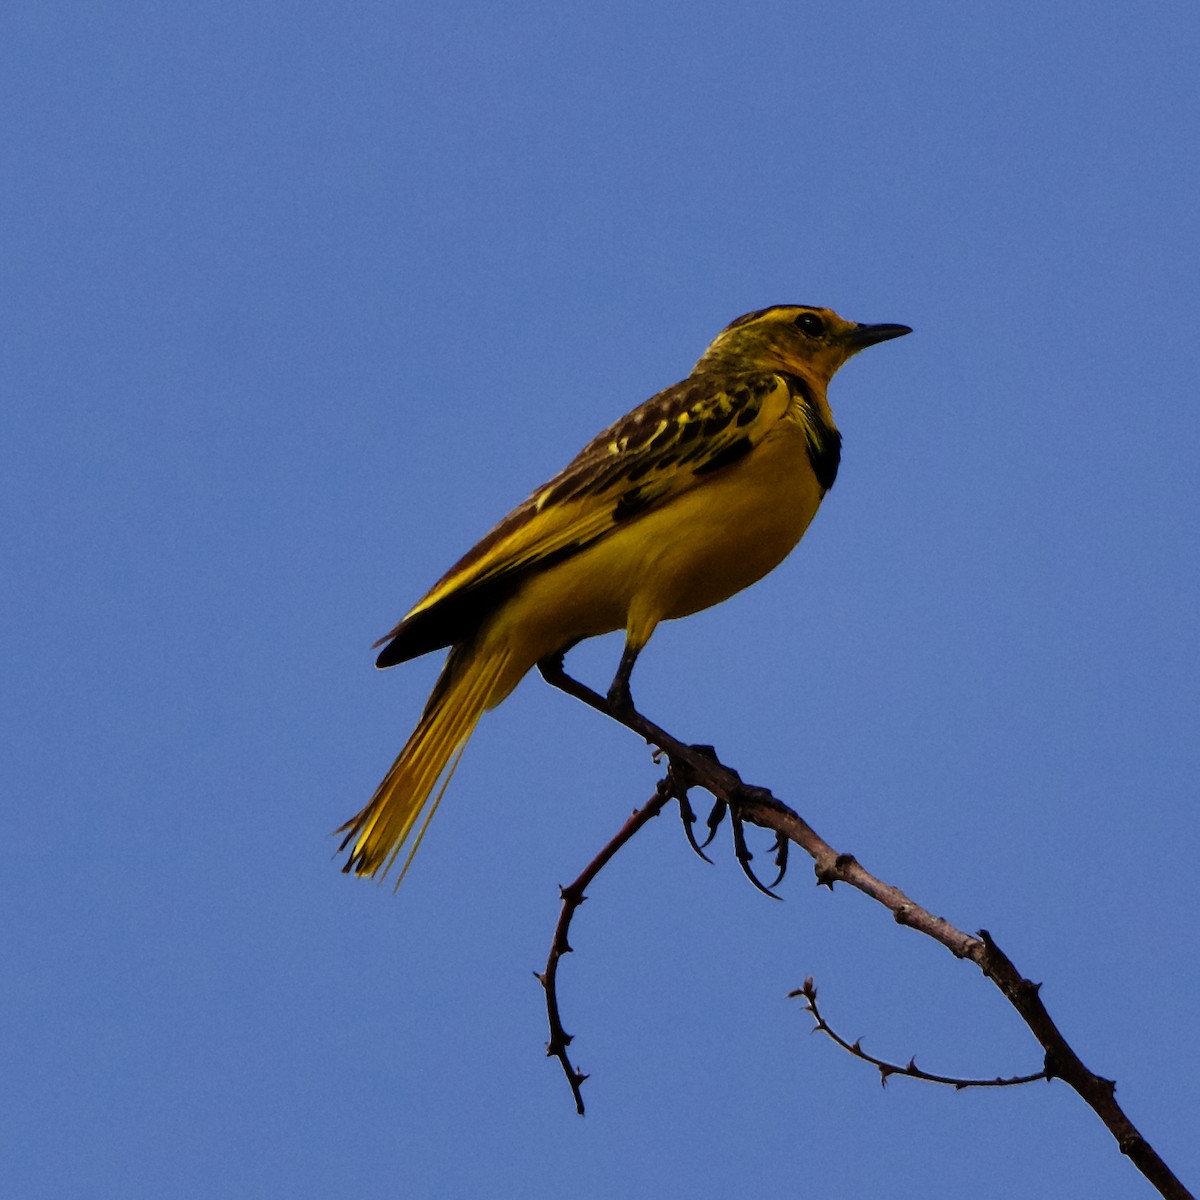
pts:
pixel 811 324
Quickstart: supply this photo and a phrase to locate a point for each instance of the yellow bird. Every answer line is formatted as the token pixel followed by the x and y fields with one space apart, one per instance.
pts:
pixel 692 496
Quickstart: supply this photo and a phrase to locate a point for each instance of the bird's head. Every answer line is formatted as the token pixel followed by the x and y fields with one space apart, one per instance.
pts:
pixel 796 339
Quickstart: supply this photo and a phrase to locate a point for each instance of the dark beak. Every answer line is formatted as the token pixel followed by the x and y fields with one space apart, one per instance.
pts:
pixel 869 335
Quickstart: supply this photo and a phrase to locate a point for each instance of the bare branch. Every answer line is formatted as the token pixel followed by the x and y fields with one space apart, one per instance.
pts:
pixel 572 897
pixel 692 767
pixel 887 1069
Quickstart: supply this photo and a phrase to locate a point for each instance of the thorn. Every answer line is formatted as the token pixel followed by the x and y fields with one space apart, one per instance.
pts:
pixel 540 976
pixel 912 1063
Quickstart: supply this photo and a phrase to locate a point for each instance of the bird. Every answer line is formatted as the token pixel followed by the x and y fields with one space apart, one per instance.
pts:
pixel 691 497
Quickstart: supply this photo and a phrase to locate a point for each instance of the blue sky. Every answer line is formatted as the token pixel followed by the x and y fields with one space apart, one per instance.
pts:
pixel 299 299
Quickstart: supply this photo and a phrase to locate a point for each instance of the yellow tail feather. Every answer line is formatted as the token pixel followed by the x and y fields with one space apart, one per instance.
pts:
pixel 468 685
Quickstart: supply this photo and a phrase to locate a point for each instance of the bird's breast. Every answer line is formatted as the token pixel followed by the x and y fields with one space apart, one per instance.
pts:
pixel 682 556
pixel 719 538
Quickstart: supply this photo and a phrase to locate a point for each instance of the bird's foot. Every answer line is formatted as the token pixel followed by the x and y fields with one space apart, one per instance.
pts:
pixel 687 814
pixel 620 699
pixel 715 817
pixel 742 853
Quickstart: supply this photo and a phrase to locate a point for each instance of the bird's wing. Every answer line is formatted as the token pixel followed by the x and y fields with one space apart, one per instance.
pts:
pixel 666 446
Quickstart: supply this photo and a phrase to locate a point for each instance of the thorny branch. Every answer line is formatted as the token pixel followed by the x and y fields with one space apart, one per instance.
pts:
pixel 886 1069
pixel 690 767
pixel 572 897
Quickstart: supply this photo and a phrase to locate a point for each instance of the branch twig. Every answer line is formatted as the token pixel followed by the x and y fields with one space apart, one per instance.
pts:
pixel 572 897
pixel 886 1069
pixel 693 768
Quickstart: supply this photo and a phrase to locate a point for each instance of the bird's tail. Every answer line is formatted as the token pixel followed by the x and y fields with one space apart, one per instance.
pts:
pixel 473 679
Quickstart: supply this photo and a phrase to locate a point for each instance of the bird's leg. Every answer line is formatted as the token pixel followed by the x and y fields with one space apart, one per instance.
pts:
pixel 679 754
pixel 619 696
pixel 618 703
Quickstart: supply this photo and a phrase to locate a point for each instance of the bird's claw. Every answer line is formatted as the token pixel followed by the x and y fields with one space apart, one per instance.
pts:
pixel 679 782
pixel 715 817
pixel 688 815
pixel 781 859
pixel 742 854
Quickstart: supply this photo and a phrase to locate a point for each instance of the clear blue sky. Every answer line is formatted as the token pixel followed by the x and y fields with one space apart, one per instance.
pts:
pixel 299 298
